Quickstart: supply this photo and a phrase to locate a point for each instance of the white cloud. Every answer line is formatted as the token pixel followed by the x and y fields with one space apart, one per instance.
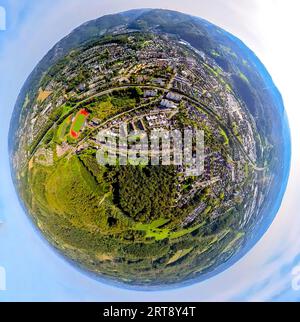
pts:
pixel 2 279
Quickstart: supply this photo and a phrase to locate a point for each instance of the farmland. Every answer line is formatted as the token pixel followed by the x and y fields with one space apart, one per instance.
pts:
pixel 43 95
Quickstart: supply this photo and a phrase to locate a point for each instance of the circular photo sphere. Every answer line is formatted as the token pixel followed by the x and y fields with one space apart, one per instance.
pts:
pixel 150 148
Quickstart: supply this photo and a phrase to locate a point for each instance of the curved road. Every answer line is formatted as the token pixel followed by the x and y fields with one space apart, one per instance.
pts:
pixel 186 97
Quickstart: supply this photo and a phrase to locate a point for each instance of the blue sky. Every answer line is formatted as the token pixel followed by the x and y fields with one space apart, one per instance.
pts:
pixel 36 272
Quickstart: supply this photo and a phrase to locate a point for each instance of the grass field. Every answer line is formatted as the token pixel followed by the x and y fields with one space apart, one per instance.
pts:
pixel 154 225
pixel 66 111
pixel 184 232
pixel 178 255
pixel 78 123
pixel 153 230
pixel 62 129
pixel 111 105
pixel 225 137
pixel 103 110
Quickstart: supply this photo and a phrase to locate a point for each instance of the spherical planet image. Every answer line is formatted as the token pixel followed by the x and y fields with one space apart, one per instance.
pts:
pixel 150 148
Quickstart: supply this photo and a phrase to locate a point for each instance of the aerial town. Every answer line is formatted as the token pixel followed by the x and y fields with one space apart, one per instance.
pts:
pixel 136 84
